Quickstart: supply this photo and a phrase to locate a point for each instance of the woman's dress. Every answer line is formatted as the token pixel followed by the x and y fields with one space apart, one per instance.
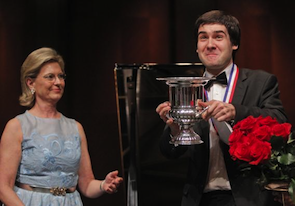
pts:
pixel 50 158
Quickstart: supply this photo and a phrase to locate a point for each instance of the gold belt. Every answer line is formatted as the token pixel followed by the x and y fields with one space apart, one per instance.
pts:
pixel 57 191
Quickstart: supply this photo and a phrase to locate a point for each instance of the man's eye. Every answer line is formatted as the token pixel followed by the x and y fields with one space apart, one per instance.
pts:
pixel 203 37
pixel 219 37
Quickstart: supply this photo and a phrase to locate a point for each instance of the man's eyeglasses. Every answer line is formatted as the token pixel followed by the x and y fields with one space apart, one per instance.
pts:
pixel 52 77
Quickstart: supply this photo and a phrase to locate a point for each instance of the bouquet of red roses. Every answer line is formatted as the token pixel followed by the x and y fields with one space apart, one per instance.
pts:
pixel 263 143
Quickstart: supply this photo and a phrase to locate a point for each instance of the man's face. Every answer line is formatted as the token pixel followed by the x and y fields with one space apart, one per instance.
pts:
pixel 214 47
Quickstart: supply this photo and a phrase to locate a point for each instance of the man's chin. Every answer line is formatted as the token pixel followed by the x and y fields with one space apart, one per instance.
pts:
pixel 212 65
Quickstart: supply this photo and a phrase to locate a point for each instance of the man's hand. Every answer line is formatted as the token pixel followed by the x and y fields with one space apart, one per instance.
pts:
pixel 221 111
pixel 163 109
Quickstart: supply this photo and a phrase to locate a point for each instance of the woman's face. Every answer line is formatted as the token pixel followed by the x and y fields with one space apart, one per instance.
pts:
pixel 49 84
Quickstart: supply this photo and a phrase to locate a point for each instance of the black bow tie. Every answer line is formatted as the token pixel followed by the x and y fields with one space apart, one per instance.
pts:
pixel 221 79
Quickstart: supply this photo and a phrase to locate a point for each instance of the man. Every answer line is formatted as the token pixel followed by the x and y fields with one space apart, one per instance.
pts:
pixel 213 177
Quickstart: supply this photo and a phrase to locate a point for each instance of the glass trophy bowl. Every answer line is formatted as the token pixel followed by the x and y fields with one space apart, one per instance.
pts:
pixel 184 94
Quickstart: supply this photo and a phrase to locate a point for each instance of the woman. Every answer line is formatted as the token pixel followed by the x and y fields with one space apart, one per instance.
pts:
pixel 43 154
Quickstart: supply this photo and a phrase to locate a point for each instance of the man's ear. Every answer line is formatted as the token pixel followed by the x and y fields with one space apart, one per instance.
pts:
pixel 235 47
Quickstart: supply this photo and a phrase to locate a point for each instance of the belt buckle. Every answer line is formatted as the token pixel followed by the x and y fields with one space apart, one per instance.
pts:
pixel 58 191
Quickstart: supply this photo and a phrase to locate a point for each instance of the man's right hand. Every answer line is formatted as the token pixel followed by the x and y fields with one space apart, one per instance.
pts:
pixel 163 109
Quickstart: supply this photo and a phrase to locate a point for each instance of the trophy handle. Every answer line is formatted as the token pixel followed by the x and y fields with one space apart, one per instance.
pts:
pixel 169 116
pixel 200 113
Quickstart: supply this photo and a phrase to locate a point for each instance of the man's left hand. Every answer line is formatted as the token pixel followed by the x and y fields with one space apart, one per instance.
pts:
pixel 221 111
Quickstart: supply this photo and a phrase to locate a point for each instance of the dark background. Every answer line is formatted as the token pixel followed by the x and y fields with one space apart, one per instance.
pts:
pixel 93 35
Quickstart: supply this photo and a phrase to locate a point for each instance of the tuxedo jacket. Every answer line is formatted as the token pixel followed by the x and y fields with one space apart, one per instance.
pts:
pixel 256 94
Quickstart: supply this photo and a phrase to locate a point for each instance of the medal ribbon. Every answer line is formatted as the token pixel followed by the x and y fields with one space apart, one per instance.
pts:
pixel 231 86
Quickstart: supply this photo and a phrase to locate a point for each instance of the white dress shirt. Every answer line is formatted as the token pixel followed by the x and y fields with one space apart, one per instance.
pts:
pixel 217 178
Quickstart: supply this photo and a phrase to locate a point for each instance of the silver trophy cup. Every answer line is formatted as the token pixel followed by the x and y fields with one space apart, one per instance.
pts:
pixel 184 94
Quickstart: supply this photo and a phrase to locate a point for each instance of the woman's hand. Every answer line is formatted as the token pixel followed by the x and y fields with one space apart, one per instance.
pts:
pixel 111 183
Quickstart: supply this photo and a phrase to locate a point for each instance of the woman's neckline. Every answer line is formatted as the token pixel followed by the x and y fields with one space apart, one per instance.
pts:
pixel 52 118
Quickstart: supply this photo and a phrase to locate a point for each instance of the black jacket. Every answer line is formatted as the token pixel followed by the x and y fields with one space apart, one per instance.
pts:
pixel 256 94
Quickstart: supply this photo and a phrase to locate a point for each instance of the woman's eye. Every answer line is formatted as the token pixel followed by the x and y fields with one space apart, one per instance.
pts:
pixel 49 77
pixel 62 76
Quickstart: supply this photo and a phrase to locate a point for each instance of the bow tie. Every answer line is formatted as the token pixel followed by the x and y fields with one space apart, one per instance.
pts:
pixel 221 79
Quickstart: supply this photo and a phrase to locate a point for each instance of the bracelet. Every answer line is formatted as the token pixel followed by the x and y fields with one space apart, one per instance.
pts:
pixel 101 186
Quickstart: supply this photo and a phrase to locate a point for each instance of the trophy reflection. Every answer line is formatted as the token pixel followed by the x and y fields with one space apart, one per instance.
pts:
pixel 184 94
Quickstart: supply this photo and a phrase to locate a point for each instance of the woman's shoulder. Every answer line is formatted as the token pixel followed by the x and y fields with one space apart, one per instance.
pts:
pixel 22 116
pixel 14 122
pixel 13 126
pixel 73 123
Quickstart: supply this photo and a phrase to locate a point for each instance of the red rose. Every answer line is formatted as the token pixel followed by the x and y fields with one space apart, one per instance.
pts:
pixel 269 121
pixel 260 151
pixel 241 149
pixel 263 133
pixel 240 123
pixel 248 124
pixel 282 130
pixel 235 136
pixel 232 150
pixel 250 139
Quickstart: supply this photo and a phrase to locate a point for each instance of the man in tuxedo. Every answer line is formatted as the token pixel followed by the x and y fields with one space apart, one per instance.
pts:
pixel 213 177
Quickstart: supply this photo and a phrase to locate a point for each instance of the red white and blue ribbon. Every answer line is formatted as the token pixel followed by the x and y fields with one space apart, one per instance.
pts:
pixel 231 86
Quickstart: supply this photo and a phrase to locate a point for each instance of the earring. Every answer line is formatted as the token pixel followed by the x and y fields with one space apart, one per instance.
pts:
pixel 32 91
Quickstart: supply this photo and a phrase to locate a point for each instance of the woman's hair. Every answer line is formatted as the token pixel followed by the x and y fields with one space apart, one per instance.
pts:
pixel 219 17
pixel 31 68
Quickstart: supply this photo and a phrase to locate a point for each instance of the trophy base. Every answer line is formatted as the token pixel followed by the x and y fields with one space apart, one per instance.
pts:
pixel 186 137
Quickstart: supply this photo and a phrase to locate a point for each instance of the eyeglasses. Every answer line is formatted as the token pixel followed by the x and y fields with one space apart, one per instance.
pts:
pixel 52 77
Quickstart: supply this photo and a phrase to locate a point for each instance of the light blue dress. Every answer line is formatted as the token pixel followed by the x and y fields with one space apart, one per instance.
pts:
pixel 50 158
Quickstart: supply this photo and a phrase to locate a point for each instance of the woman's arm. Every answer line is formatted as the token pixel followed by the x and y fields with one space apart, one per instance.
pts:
pixel 88 185
pixel 10 155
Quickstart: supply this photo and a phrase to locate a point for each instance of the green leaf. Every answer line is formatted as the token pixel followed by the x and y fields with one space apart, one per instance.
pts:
pixel 286 159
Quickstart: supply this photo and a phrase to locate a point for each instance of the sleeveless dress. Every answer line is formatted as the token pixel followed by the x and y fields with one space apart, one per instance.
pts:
pixel 50 158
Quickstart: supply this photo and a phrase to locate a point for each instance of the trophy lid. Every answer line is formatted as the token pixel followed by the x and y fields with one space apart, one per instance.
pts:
pixel 193 81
